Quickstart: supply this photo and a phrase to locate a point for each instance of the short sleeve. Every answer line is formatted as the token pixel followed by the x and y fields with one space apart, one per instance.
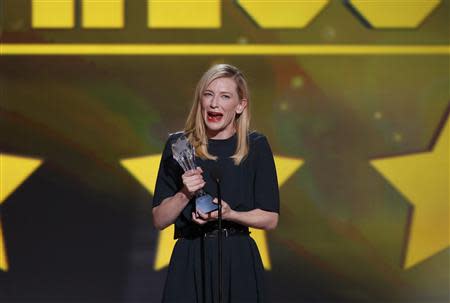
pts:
pixel 266 191
pixel 168 181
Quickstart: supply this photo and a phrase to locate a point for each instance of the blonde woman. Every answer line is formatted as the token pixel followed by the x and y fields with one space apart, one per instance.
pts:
pixel 218 128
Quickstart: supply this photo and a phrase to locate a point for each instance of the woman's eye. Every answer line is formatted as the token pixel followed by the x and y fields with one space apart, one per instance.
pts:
pixel 226 97
pixel 207 94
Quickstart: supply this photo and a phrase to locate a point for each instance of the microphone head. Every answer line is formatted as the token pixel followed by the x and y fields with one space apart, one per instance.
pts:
pixel 215 173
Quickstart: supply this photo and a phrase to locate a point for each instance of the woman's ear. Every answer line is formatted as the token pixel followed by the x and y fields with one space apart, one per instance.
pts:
pixel 241 106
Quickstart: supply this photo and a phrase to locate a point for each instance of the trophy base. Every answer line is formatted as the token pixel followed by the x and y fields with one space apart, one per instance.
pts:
pixel 205 204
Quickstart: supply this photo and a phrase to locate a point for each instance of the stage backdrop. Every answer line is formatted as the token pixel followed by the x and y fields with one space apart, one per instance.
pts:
pixel 352 95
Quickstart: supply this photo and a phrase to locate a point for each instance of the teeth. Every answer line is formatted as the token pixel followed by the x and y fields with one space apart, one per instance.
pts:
pixel 215 114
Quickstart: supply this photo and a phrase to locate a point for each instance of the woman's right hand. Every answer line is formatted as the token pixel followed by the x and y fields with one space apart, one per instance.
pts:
pixel 193 181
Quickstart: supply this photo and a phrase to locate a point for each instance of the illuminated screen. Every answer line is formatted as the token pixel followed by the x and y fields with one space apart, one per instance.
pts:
pixel 353 97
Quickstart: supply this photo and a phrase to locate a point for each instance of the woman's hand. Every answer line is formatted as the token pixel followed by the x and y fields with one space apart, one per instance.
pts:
pixel 201 218
pixel 193 181
pixel 227 212
pixel 197 219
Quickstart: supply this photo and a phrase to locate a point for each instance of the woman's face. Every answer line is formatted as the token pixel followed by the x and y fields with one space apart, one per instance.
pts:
pixel 220 103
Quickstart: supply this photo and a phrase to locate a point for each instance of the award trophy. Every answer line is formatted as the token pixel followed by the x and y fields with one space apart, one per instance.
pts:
pixel 184 153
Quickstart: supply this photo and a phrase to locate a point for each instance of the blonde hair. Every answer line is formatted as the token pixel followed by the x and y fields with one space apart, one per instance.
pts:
pixel 195 126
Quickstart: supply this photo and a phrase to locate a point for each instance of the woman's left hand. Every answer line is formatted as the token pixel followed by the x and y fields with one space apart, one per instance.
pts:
pixel 212 216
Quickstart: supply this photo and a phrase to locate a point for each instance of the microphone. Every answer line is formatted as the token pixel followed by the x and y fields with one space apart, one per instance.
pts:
pixel 216 174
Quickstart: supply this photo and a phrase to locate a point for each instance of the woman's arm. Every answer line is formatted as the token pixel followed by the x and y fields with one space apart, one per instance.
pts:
pixel 256 218
pixel 170 208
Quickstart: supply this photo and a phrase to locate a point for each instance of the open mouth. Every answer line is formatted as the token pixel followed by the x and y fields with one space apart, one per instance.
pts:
pixel 214 116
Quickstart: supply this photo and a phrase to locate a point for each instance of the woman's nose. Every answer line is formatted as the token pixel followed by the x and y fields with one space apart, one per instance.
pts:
pixel 213 103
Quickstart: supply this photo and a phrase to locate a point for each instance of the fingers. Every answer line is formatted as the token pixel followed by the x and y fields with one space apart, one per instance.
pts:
pixel 193 187
pixel 191 172
pixel 227 211
pixel 198 187
pixel 190 183
pixel 197 219
pixel 211 216
pixel 202 215
pixel 224 204
pixel 193 180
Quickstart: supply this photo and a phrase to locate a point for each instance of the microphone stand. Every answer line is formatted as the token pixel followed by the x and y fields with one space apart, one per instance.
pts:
pixel 219 198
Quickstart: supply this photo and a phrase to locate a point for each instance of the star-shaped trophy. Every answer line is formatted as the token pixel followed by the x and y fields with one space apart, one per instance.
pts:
pixel 184 153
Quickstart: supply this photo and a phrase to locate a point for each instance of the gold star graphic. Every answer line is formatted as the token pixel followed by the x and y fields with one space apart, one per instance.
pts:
pixel 145 170
pixel 423 178
pixel 14 170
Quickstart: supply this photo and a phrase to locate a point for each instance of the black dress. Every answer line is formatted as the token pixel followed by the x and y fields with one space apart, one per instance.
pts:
pixel 192 274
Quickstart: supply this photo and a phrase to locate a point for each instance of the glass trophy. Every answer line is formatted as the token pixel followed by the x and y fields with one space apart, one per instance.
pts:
pixel 184 153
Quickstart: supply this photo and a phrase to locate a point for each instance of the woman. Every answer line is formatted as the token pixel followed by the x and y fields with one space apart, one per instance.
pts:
pixel 218 128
